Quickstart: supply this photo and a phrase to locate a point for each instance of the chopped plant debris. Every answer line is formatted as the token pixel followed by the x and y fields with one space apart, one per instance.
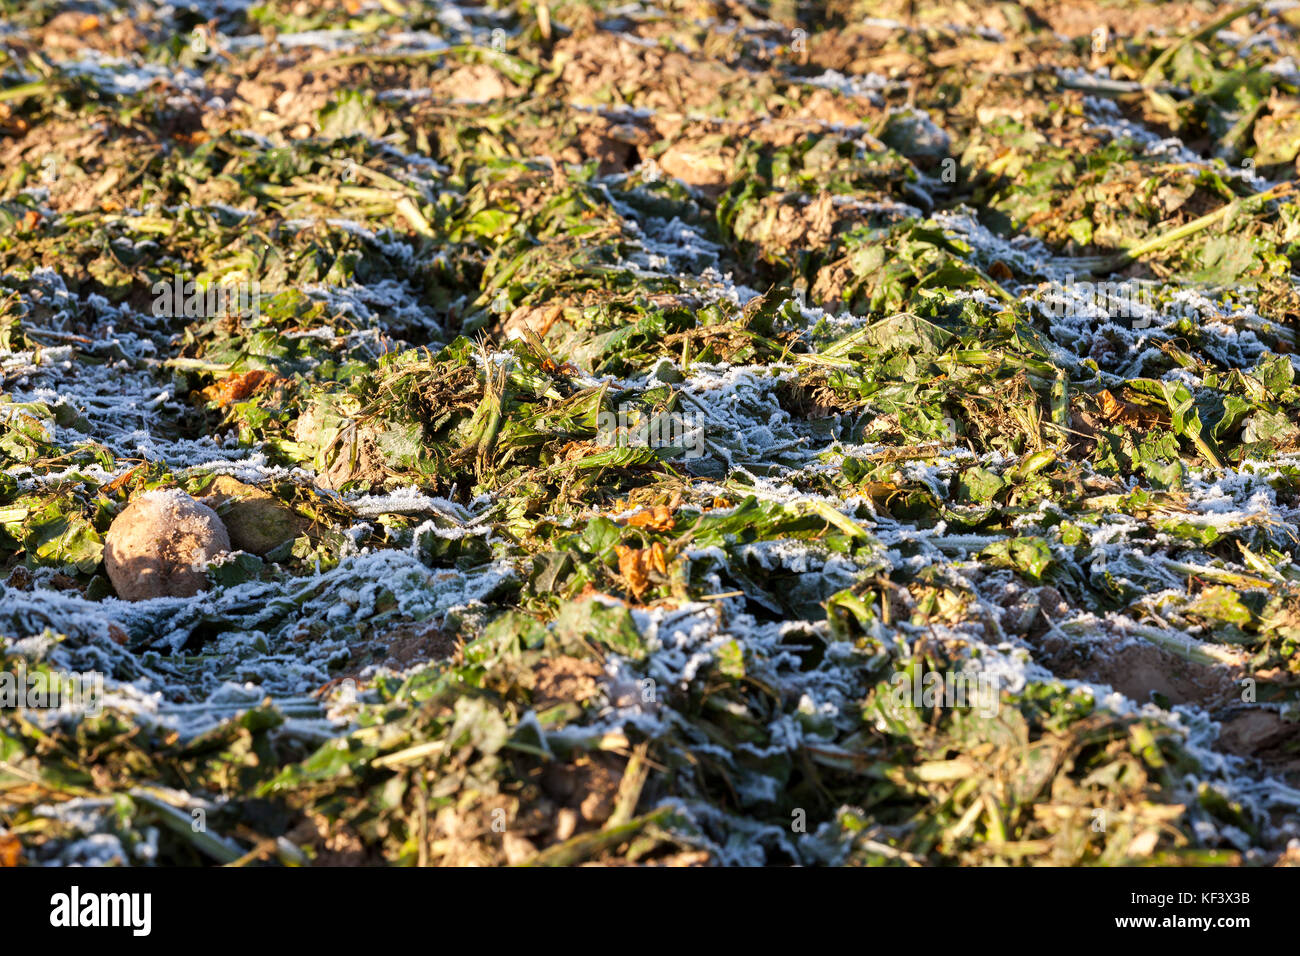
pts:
pixel 555 433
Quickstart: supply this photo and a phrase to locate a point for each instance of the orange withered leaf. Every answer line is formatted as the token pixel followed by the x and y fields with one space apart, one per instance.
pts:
pixel 237 387
pixel 636 565
pixel 658 518
pixel 122 480
pixel 11 850
pixel 1117 411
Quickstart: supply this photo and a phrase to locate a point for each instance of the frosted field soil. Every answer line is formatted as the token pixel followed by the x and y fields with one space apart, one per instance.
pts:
pixel 690 434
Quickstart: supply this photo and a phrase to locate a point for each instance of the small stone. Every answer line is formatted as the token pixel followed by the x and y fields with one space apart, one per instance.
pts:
pixel 566 824
pixel 160 546
pixel 517 849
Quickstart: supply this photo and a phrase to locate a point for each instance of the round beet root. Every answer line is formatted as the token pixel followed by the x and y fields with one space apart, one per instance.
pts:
pixel 161 544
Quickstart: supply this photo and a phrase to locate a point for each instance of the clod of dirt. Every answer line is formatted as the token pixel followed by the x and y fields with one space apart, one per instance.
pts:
pixel 1263 735
pixel 257 521
pixel 161 544
pixel 1140 670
